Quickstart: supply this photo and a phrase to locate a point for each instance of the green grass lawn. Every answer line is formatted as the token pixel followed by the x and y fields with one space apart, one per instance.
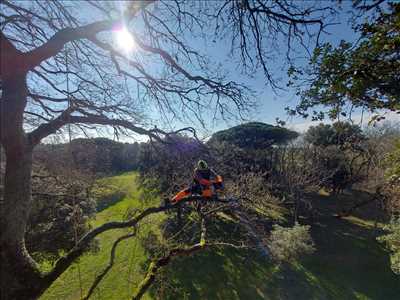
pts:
pixel 348 264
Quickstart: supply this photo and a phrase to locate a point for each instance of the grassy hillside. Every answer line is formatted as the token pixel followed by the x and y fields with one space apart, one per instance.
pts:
pixel 349 263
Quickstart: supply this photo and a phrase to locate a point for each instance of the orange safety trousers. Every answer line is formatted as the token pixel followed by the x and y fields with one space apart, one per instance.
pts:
pixel 206 190
pixel 206 193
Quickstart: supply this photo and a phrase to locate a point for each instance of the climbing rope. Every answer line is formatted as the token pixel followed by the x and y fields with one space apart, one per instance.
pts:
pixel 75 210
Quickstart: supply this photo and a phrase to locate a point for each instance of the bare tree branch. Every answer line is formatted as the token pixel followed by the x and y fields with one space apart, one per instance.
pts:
pixel 56 43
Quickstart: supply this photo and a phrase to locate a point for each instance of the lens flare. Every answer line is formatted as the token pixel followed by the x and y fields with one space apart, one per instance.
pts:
pixel 125 40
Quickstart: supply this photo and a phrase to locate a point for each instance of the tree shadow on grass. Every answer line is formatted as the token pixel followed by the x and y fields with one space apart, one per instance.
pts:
pixel 349 264
pixel 236 274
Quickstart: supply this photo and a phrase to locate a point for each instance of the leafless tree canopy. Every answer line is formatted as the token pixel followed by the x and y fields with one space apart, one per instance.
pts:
pixel 167 73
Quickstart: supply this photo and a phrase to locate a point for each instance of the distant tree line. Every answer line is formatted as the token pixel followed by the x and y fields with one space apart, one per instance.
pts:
pixel 95 155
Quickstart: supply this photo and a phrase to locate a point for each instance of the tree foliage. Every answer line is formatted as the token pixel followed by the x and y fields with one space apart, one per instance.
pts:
pixel 340 154
pixel 392 183
pixel 342 134
pixel 393 161
pixel 254 135
pixel 63 202
pixel 97 155
pixel 287 244
pixel 364 75
pixel 59 216
pixel 392 241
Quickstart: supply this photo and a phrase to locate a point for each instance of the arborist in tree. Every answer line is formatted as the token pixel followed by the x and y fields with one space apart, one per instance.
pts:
pixel 205 183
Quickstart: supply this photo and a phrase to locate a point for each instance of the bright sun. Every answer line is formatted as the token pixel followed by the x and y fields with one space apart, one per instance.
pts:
pixel 125 40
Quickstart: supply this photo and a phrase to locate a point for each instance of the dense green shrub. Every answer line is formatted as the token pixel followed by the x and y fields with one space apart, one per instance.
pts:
pixel 287 244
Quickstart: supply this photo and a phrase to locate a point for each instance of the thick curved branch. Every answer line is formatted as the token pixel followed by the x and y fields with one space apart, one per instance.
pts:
pixel 9 57
pixel 63 263
pixel 162 262
pixel 56 43
pixel 51 127
pixel 44 130
pixel 66 117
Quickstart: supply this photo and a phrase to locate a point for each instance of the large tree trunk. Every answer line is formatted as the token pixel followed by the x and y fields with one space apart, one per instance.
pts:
pixel 19 274
pixel 20 277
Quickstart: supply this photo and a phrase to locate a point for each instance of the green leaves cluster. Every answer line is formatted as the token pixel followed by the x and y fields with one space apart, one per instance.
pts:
pixel 393 161
pixel 339 133
pixel 288 244
pixel 254 135
pixel 365 74
pixel 339 154
pixel 392 237
pixel 392 241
